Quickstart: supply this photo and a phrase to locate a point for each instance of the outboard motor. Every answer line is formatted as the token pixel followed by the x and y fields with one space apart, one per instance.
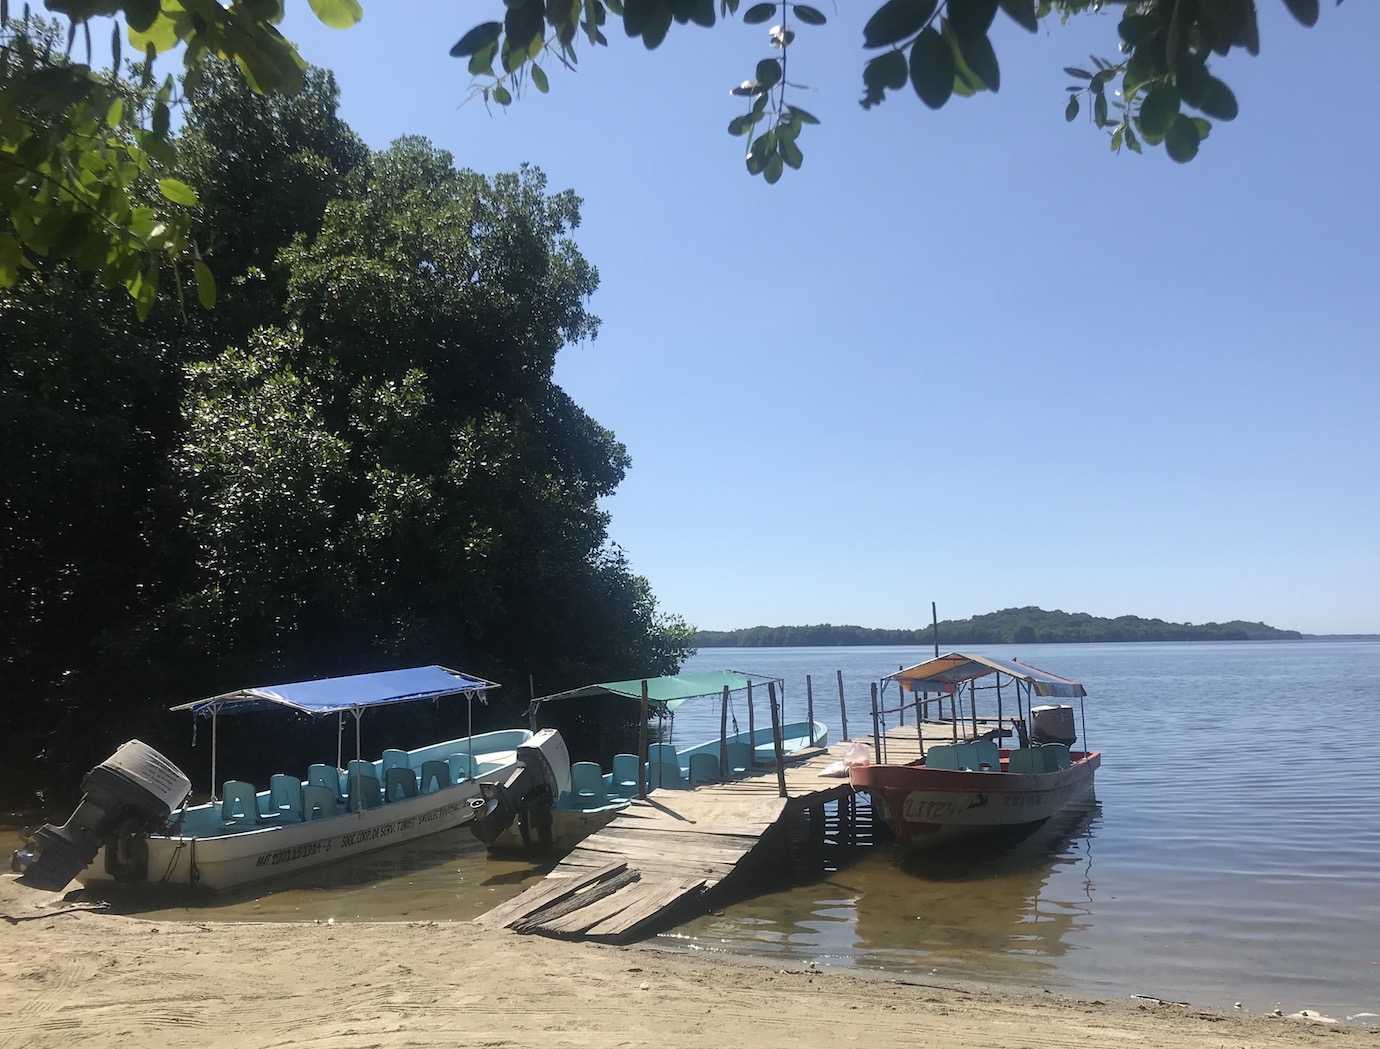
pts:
pixel 528 794
pixel 1052 724
pixel 127 796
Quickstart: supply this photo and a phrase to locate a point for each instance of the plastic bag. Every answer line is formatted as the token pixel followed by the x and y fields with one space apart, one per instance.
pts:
pixel 857 753
pixel 834 770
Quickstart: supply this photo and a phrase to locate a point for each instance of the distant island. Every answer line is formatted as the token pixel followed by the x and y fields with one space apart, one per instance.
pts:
pixel 1009 626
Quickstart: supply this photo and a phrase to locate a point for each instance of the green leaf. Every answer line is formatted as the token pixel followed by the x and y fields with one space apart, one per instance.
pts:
pixel 161 35
pixel 1181 140
pixel 1071 110
pixel 115 113
pixel 887 71
pixel 338 14
pixel 810 16
pixel 1204 128
pixel 11 260
pixel 972 18
pixel 932 68
pixel 1306 11
pixel 1081 74
pixel 897 20
pixel 768 73
pixel 1132 143
pixel 115 41
pixel 178 192
pixel 161 119
pixel 1117 136
pixel 758 13
pixel 501 95
pixel 1216 100
pixel 1100 110
pixel 539 78
pixel 772 171
pixel 477 39
pixel 762 147
pixel 141 13
pixel 977 53
pixel 1023 11
pixel 791 154
pixel 205 286
pixel 1158 110
pixel 803 116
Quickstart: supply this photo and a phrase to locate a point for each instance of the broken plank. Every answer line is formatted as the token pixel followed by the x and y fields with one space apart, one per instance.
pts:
pixel 591 893
pixel 545 893
pixel 653 905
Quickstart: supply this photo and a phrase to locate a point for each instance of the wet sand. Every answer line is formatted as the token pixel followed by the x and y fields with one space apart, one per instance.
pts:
pixel 72 977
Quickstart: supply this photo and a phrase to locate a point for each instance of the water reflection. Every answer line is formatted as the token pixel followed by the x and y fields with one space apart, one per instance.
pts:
pixel 995 908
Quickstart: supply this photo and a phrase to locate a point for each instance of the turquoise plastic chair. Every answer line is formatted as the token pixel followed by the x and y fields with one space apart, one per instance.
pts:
pixel 239 803
pixel 985 752
pixel 362 783
pixel 704 768
pixel 318 802
pixel 739 756
pixel 663 767
pixel 285 797
pixel 1025 761
pixel 461 768
pixel 396 759
pixel 435 776
pixel 1055 756
pixel 327 776
pixel 623 780
pixel 586 785
pixel 944 757
pixel 399 784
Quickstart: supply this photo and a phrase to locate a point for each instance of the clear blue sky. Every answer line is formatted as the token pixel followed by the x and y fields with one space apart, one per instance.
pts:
pixel 968 356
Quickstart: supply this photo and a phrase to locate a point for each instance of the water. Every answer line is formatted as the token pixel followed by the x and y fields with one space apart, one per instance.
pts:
pixel 1232 853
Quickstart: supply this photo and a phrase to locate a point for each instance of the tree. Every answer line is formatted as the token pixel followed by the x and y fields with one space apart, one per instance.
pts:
pixel 360 460
pixel 85 165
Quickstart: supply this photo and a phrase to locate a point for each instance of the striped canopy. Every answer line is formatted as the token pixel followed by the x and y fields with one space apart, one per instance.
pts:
pixel 935 675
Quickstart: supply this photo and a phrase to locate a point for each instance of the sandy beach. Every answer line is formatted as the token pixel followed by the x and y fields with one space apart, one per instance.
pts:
pixel 71 977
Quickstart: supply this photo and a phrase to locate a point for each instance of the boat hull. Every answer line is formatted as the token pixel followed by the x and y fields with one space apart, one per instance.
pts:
pixel 924 806
pixel 228 861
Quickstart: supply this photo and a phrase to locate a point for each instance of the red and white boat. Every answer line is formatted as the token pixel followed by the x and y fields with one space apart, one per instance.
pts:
pixel 975 785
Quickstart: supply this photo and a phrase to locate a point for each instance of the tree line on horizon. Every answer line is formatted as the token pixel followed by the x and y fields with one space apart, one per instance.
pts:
pixel 1029 625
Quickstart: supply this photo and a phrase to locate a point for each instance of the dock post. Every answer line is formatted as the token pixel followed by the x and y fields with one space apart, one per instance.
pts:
pixel 723 738
pixel 642 746
pixel 876 731
pixel 810 707
pixel 843 707
pixel 776 740
pixel 752 730
pixel 901 703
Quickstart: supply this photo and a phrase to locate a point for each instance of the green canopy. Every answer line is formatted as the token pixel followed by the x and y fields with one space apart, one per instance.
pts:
pixel 666 693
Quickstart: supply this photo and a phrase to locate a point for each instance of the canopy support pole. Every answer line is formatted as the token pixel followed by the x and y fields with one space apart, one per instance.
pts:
pixel 810 707
pixel 972 698
pixel 1084 719
pixel 358 712
pixel 215 742
pixel 1001 734
pixel 876 729
pixel 723 737
pixel 954 710
pixel 339 736
pixel 843 707
pixel 469 734
pixel 752 730
pixel 919 719
pixel 901 702
pixel 642 746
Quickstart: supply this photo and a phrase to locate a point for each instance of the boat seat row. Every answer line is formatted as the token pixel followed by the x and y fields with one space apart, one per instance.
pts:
pixel 1051 757
pixel 290 800
pixel 590 788
pixel 981 756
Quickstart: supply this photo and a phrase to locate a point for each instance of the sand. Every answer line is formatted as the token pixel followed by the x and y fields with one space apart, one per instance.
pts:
pixel 75 978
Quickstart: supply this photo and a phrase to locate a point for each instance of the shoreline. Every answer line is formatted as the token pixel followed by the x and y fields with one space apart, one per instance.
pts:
pixel 71 977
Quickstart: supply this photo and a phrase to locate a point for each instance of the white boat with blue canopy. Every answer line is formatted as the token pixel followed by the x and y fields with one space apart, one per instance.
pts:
pixel 338 809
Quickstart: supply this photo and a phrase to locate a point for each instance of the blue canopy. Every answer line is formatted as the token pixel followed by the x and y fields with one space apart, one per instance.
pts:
pixel 333 694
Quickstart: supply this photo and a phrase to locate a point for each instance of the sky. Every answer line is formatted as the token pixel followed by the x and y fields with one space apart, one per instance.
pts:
pixel 968 356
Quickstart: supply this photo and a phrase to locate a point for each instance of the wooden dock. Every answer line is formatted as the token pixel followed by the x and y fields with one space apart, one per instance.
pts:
pixel 658 860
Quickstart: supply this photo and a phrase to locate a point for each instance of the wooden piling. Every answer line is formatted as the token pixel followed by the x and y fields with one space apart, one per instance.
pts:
pixel 843 707
pixel 876 728
pixel 776 741
pixel 723 738
pixel 642 745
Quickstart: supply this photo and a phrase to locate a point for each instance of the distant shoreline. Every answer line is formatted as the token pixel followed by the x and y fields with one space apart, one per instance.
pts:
pixel 1010 626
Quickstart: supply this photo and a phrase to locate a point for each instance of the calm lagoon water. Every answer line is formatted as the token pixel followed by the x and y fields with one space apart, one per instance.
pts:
pixel 1232 853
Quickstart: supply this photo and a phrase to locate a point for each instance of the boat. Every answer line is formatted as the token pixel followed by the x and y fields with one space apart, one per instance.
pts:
pixel 597 796
pixel 134 825
pixel 976 785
